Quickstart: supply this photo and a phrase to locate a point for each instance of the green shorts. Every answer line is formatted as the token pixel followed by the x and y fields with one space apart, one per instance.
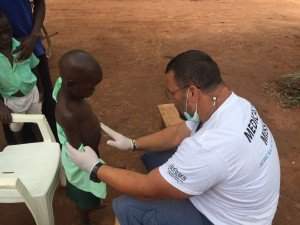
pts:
pixel 84 200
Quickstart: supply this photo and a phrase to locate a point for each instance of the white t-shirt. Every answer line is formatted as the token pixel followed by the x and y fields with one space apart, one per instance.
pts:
pixel 230 167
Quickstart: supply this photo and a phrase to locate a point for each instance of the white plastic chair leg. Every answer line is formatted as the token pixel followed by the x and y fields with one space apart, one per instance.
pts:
pixel 43 211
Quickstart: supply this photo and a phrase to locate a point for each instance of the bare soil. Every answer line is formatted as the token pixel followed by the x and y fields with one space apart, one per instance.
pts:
pixel 253 41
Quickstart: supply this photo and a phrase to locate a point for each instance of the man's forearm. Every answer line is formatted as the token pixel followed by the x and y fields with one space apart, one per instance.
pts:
pixel 39 12
pixel 146 186
pixel 165 139
pixel 126 181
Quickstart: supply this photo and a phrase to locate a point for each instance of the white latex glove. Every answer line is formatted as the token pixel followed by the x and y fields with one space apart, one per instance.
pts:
pixel 119 141
pixel 85 160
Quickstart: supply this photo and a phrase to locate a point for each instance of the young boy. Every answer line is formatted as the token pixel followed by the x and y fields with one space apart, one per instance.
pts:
pixel 18 87
pixel 78 125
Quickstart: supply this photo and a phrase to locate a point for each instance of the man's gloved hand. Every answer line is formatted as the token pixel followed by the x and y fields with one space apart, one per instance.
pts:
pixel 85 160
pixel 119 141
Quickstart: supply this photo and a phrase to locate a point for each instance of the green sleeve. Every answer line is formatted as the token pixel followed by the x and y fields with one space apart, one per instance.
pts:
pixel 34 61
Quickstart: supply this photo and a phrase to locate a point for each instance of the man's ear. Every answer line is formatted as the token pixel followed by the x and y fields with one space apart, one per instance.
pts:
pixel 194 91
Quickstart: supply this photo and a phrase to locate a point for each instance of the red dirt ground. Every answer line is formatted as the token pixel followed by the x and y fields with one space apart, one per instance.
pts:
pixel 253 41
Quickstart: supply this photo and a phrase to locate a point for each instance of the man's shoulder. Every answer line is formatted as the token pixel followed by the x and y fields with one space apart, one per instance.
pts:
pixel 216 136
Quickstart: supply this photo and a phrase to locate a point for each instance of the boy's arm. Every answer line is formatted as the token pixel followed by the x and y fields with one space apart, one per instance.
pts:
pixel 71 128
pixel 5 113
pixel 28 44
pixel 39 83
pixel 89 127
pixel 39 12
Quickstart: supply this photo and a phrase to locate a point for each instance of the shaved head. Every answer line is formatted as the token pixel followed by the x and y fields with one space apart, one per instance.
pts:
pixel 80 72
pixel 78 65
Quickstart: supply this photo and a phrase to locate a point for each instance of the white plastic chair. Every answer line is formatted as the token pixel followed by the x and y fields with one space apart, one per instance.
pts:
pixel 30 172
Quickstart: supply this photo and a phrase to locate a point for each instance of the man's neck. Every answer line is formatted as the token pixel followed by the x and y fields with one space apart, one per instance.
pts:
pixel 216 99
pixel 221 95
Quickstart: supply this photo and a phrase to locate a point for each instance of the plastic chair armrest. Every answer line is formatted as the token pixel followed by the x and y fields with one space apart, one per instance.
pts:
pixel 40 120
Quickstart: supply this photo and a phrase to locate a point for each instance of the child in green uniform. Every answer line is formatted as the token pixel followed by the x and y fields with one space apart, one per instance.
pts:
pixel 80 73
pixel 18 87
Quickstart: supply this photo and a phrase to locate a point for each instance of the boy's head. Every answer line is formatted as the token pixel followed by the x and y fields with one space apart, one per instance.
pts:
pixel 80 72
pixel 5 32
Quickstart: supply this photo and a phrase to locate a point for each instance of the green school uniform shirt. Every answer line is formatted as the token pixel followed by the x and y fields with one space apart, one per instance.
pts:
pixel 17 76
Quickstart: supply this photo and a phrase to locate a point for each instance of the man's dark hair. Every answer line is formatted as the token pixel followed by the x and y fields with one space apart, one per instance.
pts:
pixel 195 67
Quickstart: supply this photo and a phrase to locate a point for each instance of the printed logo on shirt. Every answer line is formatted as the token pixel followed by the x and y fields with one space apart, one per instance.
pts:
pixel 178 176
pixel 252 128
pixel 267 154
pixel 252 125
pixel 265 134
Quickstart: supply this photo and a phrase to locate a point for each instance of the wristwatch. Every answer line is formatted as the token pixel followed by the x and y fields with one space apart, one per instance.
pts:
pixel 134 146
pixel 93 174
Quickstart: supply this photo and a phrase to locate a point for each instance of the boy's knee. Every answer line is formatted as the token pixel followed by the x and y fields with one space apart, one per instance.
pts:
pixel 16 127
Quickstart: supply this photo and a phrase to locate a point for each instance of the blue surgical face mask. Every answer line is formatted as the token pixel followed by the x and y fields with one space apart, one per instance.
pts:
pixel 195 118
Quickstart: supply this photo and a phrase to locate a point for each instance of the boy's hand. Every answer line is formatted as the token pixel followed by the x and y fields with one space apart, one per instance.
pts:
pixel 85 160
pixel 5 114
pixel 119 141
pixel 26 47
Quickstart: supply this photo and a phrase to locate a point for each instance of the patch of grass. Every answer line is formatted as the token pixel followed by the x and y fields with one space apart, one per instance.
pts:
pixel 286 89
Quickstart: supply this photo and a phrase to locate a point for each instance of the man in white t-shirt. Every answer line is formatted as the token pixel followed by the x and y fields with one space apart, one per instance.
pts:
pixel 225 170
